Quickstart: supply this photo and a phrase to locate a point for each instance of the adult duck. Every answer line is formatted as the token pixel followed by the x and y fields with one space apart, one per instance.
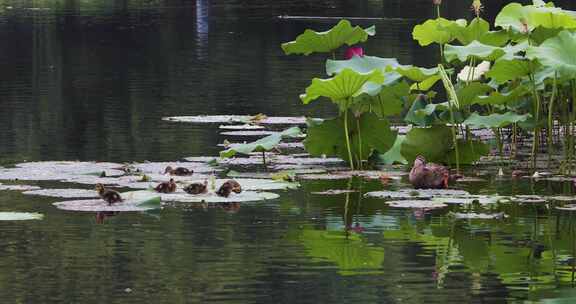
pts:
pixel 428 175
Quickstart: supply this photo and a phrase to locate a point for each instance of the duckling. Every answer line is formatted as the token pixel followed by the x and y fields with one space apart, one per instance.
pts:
pixel 197 188
pixel 166 187
pixel 428 176
pixel 180 171
pixel 110 196
pixel 228 187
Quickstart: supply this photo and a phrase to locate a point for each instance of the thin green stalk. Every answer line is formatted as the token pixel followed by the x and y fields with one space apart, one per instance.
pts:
pixel 347 136
pixel 454 104
pixel 535 142
pixel 359 144
pixel 551 122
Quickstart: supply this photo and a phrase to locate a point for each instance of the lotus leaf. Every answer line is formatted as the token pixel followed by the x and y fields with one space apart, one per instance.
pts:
pixel 20 216
pixel 393 155
pixel 415 113
pixel 328 41
pixel 328 138
pixel 438 30
pixel 364 64
pixel 244 196
pixel 264 144
pixel 524 19
pixel 433 143
pixel 506 70
pixel 474 49
pixel 132 201
pixel 388 102
pixel 18 187
pixel 495 120
pixel 497 98
pixel 557 53
pixel 426 84
pixel 344 86
pixel 467 94
pixel 65 193
pixel 418 204
pixel 415 73
pixel 469 152
pixel 233 119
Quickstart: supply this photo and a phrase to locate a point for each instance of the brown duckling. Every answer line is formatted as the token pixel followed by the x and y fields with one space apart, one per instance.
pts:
pixel 166 187
pixel 228 187
pixel 110 196
pixel 197 188
pixel 180 171
pixel 428 176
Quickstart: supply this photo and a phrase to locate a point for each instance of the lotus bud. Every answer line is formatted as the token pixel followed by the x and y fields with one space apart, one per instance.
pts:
pixel 354 51
pixel 437 2
pixel 477 7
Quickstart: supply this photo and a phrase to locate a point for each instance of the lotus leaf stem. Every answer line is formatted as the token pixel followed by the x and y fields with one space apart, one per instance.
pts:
pixel 359 143
pixel 551 121
pixel 347 137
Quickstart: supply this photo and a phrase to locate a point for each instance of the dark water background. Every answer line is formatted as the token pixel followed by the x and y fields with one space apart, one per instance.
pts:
pixel 90 80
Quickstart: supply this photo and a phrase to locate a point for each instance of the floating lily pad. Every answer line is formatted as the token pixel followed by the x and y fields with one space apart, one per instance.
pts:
pixel 160 167
pixel 468 179
pixel 64 193
pixel 248 133
pixel 478 216
pixel 322 177
pixel 416 204
pixel 234 119
pixel 376 174
pixel 244 196
pixel 562 198
pixel 410 194
pixel 469 199
pixel 570 207
pixel 241 127
pixel 132 201
pixel 18 187
pixel 533 199
pixel 20 216
pixel 333 192
pixel 287 159
pixel 201 159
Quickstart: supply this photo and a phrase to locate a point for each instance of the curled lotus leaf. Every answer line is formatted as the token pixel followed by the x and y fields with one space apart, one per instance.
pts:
pixel 321 42
pixel 262 145
pixel 64 193
pixel 20 216
pixel 244 196
pixel 416 204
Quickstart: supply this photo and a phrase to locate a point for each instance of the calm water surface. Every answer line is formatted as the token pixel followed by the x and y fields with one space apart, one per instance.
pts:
pixel 90 80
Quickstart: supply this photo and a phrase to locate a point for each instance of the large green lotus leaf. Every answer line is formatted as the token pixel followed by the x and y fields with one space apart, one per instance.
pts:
pixel 264 144
pixel 506 70
pixel 497 98
pixel 414 115
pixel 364 64
pixel 328 41
pixel 434 143
pixel 557 53
pixel 541 34
pixel 438 30
pixel 328 137
pixel 415 73
pixel 473 49
pixel 389 101
pixel 495 120
pixel 495 38
pixel 394 155
pixel 349 253
pixel 469 152
pixel 20 216
pixel 342 87
pixel 526 18
pixel 474 31
pixel 467 94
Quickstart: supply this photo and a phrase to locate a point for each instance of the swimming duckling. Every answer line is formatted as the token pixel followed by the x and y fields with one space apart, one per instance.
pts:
pixel 228 187
pixel 428 175
pixel 110 196
pixel 197 188
pixel 180 171
pixel 166 187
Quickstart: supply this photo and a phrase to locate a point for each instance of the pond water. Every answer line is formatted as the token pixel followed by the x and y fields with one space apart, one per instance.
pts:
pixel 91 80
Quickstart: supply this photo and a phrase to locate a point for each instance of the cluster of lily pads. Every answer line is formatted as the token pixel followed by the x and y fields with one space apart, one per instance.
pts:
pixel 514 77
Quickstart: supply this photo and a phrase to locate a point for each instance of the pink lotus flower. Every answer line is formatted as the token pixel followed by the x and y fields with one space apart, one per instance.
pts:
pixel 354 51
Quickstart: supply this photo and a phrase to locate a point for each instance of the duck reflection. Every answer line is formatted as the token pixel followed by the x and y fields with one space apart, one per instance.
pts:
pixel 101 216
